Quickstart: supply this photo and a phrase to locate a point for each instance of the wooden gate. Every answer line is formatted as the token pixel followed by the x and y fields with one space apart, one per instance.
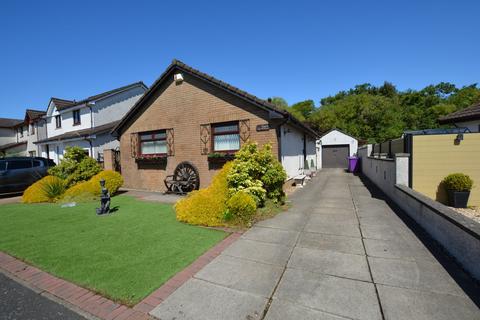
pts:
pixel 116 161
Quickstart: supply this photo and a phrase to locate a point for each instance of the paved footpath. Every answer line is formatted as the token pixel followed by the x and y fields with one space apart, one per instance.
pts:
pixel 341 252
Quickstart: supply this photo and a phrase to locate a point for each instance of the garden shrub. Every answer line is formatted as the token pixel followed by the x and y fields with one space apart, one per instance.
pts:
pixel 241 206
pixel 88 190
pixel 82 191
pixel 458 182
pixel 257 172
pixel 75 166
pixel 206 206
pixel 47 189
pixel 113 181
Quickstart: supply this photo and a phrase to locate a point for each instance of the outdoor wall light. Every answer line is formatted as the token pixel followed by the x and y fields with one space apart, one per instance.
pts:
pixel 178 78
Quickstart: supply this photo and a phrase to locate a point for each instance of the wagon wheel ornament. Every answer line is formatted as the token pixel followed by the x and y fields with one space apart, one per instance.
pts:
pixel 186 172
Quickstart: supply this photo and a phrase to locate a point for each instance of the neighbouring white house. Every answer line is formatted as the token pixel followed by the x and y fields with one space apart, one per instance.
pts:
pixel 9 143
pixel 334 148
pixel 18 137
pixel 87 123
pixel 465 118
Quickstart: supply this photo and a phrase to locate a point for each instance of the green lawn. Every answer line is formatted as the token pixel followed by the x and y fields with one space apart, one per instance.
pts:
pixel 124 256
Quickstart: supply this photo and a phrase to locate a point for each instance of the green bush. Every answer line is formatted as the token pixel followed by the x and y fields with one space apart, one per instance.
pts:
pixel 47 189
pixel 257 172
pixel 241 206
pixel 76 166
pixel 458 182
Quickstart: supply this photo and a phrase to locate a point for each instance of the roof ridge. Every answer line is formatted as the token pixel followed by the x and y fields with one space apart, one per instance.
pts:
pixel 221 84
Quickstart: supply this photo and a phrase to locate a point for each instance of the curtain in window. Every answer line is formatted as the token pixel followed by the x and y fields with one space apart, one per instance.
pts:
pixel 153 147
pixel 227 142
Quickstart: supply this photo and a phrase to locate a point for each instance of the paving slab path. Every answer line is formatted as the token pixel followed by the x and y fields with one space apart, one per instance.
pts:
pixel 340 252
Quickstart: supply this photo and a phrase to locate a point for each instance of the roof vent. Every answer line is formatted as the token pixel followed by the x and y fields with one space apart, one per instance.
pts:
pixel 178 78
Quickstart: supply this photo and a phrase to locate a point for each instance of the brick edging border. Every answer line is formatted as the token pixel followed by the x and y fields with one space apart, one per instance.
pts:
pixel 95 304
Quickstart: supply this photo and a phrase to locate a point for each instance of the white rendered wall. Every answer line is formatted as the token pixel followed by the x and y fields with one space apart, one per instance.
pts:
pixel 67 120
pixel 291 150
pixel 311 154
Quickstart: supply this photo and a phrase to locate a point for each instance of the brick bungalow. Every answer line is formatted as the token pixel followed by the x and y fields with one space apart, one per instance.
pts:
pixel 187 115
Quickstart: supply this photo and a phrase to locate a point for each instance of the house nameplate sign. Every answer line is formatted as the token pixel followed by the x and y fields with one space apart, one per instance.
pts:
pixel 263 127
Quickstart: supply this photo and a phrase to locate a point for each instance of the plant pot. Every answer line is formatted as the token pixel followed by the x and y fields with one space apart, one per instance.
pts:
pixel 221 159
pixel 458 199
pixel 152 160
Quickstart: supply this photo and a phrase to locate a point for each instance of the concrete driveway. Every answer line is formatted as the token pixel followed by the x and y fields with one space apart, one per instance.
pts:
pixel 341 252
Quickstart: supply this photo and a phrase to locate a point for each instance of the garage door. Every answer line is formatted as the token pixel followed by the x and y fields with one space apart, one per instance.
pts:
pixel 335 156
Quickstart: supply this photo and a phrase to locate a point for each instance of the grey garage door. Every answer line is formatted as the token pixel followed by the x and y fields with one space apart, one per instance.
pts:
pixel 335 156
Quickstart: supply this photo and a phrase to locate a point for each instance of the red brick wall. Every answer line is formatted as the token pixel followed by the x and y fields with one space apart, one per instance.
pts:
pixel 185 107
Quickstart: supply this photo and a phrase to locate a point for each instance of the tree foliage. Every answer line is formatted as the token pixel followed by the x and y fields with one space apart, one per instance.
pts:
pixel 76 166
pixel 378 113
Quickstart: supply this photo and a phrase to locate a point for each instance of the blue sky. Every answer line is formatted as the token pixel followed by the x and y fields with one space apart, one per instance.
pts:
pixel 297 49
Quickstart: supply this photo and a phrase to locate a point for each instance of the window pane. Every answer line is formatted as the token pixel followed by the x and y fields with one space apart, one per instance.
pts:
pixel 19 164
pixel 145 136
pixel 153 147
pixel 227 142
pixel 36 163
pixel 159 135
pixel 3 165
pixel 227 128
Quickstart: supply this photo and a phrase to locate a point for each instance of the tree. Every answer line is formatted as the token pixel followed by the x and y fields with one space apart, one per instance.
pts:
pixel 305 108
pixel 376 114
pixel 279 102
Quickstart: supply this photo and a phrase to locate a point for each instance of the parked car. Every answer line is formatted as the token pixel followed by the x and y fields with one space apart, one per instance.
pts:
pixel 18 173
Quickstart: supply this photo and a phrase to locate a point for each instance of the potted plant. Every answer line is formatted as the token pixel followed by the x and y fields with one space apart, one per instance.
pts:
pixel 458 187
pixel 151 158
pixel 218 157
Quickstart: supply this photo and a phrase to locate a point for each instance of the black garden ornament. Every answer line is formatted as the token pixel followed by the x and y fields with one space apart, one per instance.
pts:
pixel 104 200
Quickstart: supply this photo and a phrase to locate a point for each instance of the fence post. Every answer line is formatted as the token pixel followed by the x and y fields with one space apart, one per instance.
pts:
pixel 401 168
pixel 108 159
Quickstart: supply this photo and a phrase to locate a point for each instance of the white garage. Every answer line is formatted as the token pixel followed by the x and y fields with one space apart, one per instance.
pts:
pixel 334 148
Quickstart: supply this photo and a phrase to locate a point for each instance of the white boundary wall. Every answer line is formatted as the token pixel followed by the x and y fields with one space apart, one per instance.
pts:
pixel 459 235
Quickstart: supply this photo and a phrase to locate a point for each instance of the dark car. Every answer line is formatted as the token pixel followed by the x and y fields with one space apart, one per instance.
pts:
pixel 18 173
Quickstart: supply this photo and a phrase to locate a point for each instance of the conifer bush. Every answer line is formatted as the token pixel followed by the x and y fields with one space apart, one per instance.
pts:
pixel 47 189
pixel 241 207
pixel 88 190
pixel 206 206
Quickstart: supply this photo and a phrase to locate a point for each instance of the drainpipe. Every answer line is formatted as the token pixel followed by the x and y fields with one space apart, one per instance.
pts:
pixel 90 105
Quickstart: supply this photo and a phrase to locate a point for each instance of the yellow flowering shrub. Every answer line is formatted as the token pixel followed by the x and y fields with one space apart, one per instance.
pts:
pixel 47 189
pixel 206 206
pixel 90 189
pixel 241 207
pixel 82 191
pixel 113 181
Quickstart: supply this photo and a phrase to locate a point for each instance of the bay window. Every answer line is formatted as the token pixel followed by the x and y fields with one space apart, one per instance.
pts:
pixel 225 137
pixel 153 143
